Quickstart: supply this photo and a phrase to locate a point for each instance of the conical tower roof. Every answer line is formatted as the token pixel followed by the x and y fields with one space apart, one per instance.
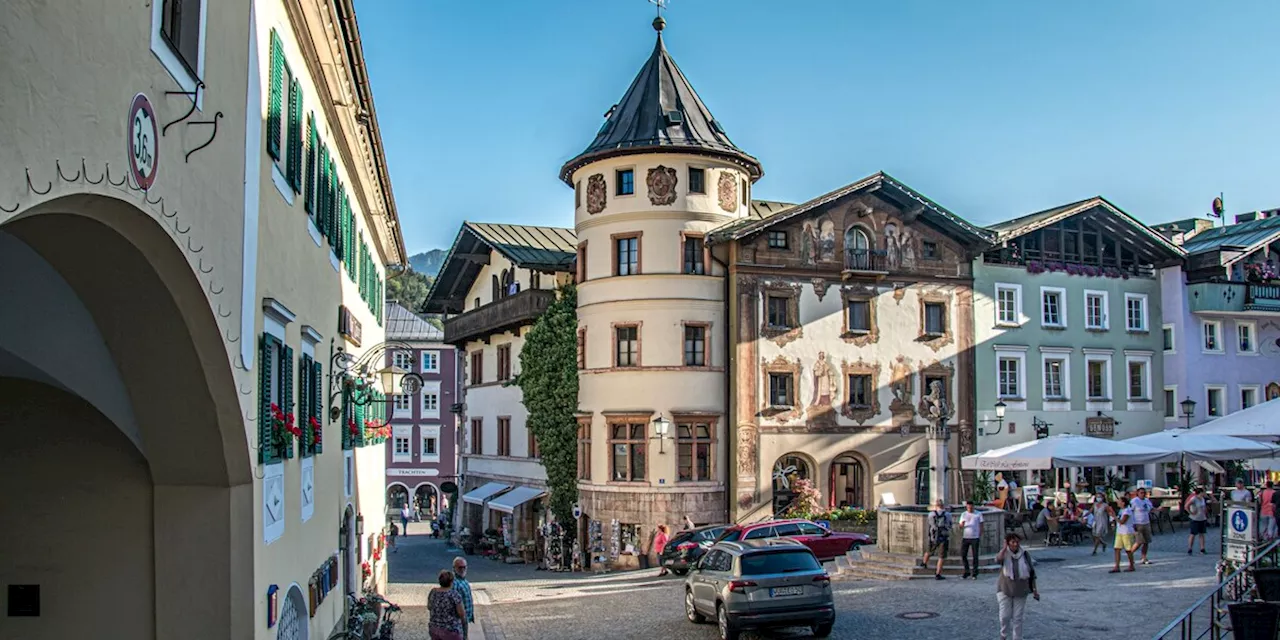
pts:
pixel 660 112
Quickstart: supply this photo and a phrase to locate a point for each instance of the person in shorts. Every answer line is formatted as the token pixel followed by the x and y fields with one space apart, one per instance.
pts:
pixel 939 536
pixel 1142 508
pixel 1198 510
pixel 1125 539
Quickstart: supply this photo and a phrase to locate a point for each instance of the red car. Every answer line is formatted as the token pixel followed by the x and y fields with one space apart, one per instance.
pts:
pixel 824 543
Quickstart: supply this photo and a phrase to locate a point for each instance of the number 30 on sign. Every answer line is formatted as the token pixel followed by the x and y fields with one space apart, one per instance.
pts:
pixel 144 142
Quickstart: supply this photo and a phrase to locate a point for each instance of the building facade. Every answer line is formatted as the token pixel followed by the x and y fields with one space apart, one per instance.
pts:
pixel 168 262
pixel 1221 327
pixel 1068 315
pixel 424 447
pixel 495 282
pixel 848 311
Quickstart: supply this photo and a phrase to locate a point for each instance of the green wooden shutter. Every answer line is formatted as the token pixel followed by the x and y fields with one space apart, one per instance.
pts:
pixel 331 211
pixel 351 244
pixel 317 405
pixel 286 390
pixel 359 439
pixel 309 205
pixel 347 416
pixel 322 194
pixel 340 237
pixel 275 90
pixel 293 163
pixel 266 448
pixel 304 403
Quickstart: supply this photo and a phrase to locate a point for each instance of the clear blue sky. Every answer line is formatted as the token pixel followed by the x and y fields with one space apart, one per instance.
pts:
pixel 992 108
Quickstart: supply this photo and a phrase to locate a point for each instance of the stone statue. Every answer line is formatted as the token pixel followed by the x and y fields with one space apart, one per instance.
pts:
pixel 934 405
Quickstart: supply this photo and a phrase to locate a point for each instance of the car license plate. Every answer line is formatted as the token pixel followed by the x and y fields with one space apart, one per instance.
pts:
pixel 780 592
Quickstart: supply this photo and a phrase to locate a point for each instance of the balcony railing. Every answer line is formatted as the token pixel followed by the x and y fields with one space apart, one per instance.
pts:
pixel 1261 297
pixel 1233 297
pixel 865 261
pixel 496 317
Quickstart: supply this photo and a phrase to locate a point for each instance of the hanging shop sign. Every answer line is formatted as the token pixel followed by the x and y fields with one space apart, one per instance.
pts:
pixel 144 142
pixel 412 472
pixel 349 326
pixel 1104 427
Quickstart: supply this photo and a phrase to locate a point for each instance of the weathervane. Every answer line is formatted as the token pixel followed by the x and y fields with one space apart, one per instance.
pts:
pixel 659 22
pixel 661 4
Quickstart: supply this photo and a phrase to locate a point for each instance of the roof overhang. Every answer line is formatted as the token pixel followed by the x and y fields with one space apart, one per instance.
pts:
pixel 1127 227
pixel 747 163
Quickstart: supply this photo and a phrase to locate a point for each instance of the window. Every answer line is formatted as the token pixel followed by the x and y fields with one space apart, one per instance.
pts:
pixel 403 402
pixel 577 195
pixel 1166 333
pixel 1008 304
pixel 1170 404
pixel 1097 379
pixel 582 261
pixel 626 182
pixel 430 444
pixel 584 449
pixel 582 348
pixel 504 362
pixel 626 252
pixel 431 399
pixel 477 367
pixel 781 393
pixel 777 239
pixel 1052 307
pixel 430 361
pixel 1244 338
pixel 628 441
pixel 477 436
pixel 1248 397
pixel 695 345
pixel 1095 310
pixel 694 442
pixel 929 250
pixel 695 262
pixel 400 448
pixel 1010 381
pixel 1138 380
pixel 1054 370
pixel 180 27
pixel 1213 336
pixel 935 318
pixel 504 436
pixel 697 180
pixel 1135 312
pixel 860 316
pixel 532 445
pixel 284 118
pixel 777 311
pixel 626 346
pixel 1213 401
pixel 403 360
pixel 860 390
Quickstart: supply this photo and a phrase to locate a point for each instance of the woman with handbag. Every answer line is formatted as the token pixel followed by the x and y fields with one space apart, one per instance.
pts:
pixel 1017 581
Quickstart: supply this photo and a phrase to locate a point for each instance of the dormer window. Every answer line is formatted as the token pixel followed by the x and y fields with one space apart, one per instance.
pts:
pixel 626 181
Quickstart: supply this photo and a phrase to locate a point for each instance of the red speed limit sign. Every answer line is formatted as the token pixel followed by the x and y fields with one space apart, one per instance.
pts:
pixel 144 142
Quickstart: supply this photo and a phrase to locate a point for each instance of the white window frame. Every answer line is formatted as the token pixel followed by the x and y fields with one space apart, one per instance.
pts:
pixel 1146 402
pixel 1253 337
pixel 1222 408
pixel 429 432
pixel 1173 338
pixel 1177 408
pixel 1257 393
pixel 1063 355
pixel 1217 324
pixel 431 356
pixel 430 390
pixel 403 402
pixel 1104 356
pixel 402 359
pixel 1062 307
pixel 169 58
pixel 1018 353
pixel 1146 318
pixel 402 433
pixel 1016 289
pixel 1106 307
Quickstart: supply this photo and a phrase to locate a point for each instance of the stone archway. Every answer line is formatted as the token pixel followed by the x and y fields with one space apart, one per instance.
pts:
pixel 397 496
pixel 98 304
pixel 786 471
pixel 427 497
pixel 848 484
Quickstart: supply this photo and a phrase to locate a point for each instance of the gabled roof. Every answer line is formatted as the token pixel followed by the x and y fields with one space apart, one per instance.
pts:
pixel 530 247
pixel 404 325
pixel 1128 226
pixel 881 183
pixel 1247 235
pixel 660 112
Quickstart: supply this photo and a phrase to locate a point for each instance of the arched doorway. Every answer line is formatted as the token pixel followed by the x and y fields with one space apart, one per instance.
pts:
pixel 293 616
pixel 848 482
pixel 112 358
pixel 857 248
pixel 427 499
pixel 397 497
pixel 786 471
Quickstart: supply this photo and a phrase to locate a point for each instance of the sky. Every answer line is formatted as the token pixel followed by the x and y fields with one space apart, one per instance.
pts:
pixel 991 108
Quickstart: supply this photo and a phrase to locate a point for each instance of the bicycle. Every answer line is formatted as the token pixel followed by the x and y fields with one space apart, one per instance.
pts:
pixel 371 614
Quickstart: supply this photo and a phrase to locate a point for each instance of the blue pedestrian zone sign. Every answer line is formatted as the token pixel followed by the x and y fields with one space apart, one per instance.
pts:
pixel 1240 522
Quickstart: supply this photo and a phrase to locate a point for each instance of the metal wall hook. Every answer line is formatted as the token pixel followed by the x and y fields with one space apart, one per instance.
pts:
pixel 195 98
pixel 182 231
pixel 191 248
pixel 217 116
pixel 58 165
pixel 200 266
pixel 234 340
pixel 218 292
pixel 167 215
pixel 32 187
pixel 147 198
pixel 15 207
pixel 224 315
pixel 85 172
pixel 239 363
pixel 113 182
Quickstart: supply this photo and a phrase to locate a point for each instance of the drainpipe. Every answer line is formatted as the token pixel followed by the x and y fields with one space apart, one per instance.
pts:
pixel 728 390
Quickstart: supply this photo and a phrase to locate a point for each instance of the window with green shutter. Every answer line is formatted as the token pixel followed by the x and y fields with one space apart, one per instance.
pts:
pixel 331 204
pixel 309 204
pixel 317 407
pixel 304 404
pixel 286 393
pixel 266 359
pixel 358 440
pixel 275 91
pixel 340 237
pixel 293 165
pixel 351 244
pixel 322 194
pixel 348 419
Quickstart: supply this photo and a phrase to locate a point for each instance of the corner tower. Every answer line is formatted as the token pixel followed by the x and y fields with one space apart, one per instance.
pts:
pixel 659 175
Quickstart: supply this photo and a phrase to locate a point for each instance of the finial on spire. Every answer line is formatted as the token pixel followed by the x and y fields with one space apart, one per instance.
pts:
pixel 659 23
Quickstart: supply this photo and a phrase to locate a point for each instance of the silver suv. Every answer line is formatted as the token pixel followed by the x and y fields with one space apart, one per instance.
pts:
pixel 755 584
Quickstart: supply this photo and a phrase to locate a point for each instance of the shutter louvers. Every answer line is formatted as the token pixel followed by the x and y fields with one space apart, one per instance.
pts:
pixel 274 90
pixel 266 446
pixel 359 438
pixel 331 212
pixel 286 392
pixel 317 406
pixel 322 193
pixel 293 165
pixel 304 403
pixel 347 416
pixel 340 238
pixel 309 204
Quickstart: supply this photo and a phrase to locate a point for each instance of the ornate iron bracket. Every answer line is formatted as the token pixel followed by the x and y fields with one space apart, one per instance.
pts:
pixel 349 371
pixel 217 116
pixel 195 98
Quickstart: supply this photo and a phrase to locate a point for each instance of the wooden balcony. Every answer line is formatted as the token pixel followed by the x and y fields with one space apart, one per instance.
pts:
pixel 1248 298
pixel 507 314
pixel 865 263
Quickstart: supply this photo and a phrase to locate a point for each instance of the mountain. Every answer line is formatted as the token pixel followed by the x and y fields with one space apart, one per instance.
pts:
pixel 427 263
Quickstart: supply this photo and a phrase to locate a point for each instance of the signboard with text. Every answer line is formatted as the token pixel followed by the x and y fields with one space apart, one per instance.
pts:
pixel 1104 427
pixel 1239 530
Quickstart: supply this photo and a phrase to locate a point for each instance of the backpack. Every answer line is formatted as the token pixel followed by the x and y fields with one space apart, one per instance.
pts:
pixel 939 526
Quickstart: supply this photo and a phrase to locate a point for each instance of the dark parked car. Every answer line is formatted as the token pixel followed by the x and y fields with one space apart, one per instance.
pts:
pixel 826 544
pixel 760 584
pixel 685 547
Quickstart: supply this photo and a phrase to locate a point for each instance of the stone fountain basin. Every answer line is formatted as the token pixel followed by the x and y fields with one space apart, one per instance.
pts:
pixel 904 530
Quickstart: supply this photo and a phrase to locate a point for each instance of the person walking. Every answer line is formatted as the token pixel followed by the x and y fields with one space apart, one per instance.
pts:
pixel 1142 508
pixel 971 526
pixel 404 518
pixel 444 605
pixel 659 543
pixel 1101 525
pixel 939 536
pixel 1267 512
pixel 1199 512
pixel 463 587
pixel 1124 535
pixel 1017 580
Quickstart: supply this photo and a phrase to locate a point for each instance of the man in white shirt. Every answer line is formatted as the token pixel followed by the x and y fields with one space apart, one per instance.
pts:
pixel 971 523
pixel 1142 508
pixel 1241 494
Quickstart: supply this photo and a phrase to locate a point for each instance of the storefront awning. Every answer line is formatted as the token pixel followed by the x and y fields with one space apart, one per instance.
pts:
pixel 507 502
pixel 484 492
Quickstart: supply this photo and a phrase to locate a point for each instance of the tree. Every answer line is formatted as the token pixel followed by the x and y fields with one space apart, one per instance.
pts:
pixel 409 289
pixel 549 380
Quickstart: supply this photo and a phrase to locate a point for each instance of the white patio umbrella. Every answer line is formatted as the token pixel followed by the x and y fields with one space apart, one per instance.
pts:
pixel 1204 446
pixel 1259 422
pixel 1067 450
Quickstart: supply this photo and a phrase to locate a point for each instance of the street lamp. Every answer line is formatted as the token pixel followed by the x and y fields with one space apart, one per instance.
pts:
pixel 1188 409
pixel 662 427
pixel 1000 407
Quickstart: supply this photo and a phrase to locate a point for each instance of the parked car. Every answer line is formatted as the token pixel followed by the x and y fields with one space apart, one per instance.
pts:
pixel 758 584
pixel 685 547
pixel 825 543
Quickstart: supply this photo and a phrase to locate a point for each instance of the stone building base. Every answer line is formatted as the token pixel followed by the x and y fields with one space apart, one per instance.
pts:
pixel 648 506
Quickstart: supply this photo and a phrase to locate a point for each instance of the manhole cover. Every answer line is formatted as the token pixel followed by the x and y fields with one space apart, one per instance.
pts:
pixel 1039 560
pixel 917 615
